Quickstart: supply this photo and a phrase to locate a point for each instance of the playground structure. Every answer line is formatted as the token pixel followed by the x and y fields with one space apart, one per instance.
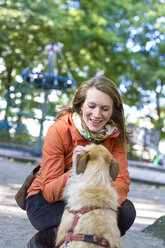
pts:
pixel 34 97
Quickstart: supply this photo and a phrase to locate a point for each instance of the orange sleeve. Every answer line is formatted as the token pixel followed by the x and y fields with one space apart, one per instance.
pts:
pixel 123 179
pixel 53 166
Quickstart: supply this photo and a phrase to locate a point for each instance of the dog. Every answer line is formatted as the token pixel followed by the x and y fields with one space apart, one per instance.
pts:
pixel 90 217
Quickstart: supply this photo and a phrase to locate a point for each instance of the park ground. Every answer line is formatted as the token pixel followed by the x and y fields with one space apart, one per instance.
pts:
pixel 15 229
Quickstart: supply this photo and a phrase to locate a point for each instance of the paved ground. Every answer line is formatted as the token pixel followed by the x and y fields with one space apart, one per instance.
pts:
pixel 15 229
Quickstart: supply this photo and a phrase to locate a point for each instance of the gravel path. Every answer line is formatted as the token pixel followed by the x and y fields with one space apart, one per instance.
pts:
pixel 15 229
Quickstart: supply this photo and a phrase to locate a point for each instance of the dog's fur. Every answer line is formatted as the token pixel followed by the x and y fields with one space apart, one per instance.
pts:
pixel 89 186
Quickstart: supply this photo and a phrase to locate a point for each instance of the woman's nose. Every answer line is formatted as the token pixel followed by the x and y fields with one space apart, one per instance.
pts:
pixel 97 112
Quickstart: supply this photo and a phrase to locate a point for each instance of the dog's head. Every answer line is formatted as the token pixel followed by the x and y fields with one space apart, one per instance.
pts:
pixel 95 153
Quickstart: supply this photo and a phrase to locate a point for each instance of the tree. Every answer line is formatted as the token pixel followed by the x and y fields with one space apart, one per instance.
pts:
pixel 122 40
pixel 146 39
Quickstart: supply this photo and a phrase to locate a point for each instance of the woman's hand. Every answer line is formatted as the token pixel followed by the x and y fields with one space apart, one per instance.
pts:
pixel 76 153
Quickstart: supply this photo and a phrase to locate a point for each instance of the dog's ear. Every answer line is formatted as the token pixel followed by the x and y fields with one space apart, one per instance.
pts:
pixel 82 162
pixel 114 169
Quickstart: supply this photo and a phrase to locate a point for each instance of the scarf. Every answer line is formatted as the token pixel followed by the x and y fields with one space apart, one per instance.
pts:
pixel 102 134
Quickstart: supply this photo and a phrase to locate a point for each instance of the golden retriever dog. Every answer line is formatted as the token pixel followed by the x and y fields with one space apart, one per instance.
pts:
pixel 90 217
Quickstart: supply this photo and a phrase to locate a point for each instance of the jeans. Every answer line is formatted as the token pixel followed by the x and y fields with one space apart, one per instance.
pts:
pixel 43 214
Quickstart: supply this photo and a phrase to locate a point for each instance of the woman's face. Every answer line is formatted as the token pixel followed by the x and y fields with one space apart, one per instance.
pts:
pixel 96 109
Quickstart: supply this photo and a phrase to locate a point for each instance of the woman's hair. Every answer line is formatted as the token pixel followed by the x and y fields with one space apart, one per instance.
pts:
pixel 109 87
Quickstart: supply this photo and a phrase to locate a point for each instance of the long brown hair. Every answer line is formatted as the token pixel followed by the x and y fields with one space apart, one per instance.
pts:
pixel 109 87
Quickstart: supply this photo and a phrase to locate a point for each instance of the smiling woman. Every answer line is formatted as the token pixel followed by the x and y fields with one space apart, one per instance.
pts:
pixel 107 94
pixel 95 115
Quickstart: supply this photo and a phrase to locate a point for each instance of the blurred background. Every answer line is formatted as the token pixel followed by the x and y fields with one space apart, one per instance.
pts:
pixel 47 48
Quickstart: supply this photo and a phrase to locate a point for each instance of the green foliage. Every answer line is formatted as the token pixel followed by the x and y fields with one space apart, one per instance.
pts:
pixel 96 37
pixel 148 61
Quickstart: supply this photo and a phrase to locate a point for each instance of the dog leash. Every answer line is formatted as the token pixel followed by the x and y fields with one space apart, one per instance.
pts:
pixel 81 237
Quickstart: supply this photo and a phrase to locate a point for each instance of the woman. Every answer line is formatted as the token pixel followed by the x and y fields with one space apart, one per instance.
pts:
pixel 96 115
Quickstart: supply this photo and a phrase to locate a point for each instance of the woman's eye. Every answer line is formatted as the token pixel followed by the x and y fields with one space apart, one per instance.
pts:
pixel 105 109
pixel 90 106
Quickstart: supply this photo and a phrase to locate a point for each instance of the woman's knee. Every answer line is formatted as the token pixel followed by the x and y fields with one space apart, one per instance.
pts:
pixel 126 216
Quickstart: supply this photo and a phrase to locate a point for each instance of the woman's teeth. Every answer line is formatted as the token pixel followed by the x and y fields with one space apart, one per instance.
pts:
pixel 95 121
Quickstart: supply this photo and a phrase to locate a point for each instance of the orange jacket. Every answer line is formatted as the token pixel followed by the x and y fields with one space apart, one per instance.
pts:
pixel 60 141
